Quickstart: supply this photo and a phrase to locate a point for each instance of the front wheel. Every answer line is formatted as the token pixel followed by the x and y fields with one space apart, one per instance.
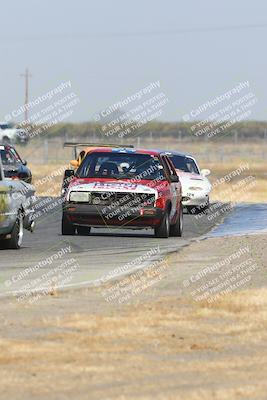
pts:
pixel 15 240
pixel 67 227
pixel 163 230
pixel 177 228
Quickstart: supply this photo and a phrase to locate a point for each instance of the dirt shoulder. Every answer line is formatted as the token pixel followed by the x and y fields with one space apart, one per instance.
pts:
pixel 191 327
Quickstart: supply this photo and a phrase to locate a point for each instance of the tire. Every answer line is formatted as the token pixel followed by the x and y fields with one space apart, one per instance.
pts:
pixel 177 229
pixel 83 230
pixel 16 234
pixel 163 230
pixel 67 227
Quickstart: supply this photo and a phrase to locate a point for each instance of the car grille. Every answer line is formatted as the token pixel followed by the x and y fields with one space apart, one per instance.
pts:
pixel 122 199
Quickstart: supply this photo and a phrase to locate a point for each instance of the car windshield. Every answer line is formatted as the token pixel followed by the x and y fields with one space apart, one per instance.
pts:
pixel 185 164
pixel 121 166
pixel 9 155
pixel 7 126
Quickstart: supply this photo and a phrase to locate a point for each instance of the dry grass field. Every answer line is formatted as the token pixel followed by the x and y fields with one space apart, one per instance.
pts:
pixel 167 348
pixel 162 350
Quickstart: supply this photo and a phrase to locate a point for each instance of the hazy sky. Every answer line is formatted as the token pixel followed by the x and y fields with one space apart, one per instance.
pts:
pixel 110 49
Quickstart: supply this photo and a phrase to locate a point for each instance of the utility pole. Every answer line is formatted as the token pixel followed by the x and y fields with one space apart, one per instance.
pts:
pixel 26 75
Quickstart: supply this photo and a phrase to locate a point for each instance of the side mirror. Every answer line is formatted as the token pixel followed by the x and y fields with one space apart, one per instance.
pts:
pixel 175 179
pixel 69 173
pixel 74 163
pixel 205 172
pixel 24 162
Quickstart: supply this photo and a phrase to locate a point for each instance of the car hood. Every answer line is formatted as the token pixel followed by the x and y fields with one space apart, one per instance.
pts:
pixel 188 179
pixel 110 186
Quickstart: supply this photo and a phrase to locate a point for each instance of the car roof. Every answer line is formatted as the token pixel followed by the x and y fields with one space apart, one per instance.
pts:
pixel 126 150
pixel 154 152
pixel 177 153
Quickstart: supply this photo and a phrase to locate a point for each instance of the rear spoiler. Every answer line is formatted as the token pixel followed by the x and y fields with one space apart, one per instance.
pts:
pixel 79 144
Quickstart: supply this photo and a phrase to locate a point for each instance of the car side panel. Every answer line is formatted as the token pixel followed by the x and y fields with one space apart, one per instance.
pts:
pixel 174 189
pixel 7 208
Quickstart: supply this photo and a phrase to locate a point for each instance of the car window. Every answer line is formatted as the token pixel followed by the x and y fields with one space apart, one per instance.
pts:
pixel 121 166
pixel 166 166
pixel 6 126
pixel 8 155
pixel 15 155
pixel 171 166
pixel 184 163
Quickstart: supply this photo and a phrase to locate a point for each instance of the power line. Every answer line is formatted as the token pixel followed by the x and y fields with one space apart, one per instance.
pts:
pixel 169 32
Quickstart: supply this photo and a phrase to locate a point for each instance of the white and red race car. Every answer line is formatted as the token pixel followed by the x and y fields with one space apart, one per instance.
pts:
pixel 123 188
pixel 196 187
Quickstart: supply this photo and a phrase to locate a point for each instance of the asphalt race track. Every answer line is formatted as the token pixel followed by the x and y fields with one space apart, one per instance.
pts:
pixel 45 254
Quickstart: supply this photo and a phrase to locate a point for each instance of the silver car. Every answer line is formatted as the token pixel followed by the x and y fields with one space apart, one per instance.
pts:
pixel 16 210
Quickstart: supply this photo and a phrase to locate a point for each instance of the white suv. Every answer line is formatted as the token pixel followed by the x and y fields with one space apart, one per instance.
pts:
pixel 10 134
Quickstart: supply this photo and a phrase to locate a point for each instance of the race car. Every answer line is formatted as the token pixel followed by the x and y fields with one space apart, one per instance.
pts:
pixel 16 210
pixel 124 188
pixel 14 167
pixel 9 133
pixel 196 187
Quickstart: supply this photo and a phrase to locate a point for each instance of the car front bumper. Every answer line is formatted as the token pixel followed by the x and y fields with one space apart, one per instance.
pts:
pixel 200 200
pixel 92 215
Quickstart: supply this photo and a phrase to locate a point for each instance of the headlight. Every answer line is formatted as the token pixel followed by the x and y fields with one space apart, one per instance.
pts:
pixel 196 188
pixel 82 197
